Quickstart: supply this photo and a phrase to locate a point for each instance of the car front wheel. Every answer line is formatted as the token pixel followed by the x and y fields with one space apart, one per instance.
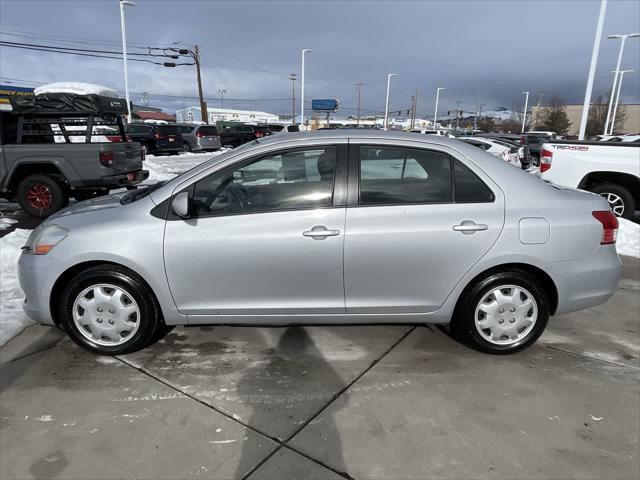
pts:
pixel 502 313
pixel 110 311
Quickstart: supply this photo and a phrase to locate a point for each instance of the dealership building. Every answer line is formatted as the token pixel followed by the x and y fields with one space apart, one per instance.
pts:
pixel 192 114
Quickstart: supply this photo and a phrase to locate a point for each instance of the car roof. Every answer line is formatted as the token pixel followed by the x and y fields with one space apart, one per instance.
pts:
pixel 360 133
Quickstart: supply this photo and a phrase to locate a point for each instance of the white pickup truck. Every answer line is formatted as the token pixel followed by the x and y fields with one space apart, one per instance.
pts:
pixel 609 169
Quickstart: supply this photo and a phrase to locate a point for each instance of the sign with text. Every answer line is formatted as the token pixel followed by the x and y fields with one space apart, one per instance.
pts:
pixel 324 105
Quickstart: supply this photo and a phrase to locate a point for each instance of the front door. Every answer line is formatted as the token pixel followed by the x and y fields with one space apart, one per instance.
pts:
pixel 419 223
pixel 264 239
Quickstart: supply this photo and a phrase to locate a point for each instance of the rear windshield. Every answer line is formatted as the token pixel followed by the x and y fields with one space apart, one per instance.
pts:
pixel 207 131
pixel 168 130
pixel 131 128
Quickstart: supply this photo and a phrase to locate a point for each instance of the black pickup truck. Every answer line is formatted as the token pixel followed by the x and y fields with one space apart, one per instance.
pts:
pixel 237 135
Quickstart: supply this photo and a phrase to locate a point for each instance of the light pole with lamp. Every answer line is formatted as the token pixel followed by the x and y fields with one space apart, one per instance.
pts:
pixel 616 71
pixel 222 91
pixel 435 114
pixel 526 105
pixel 304 50
pixel 125 3
pixel 386 104
pixel 615 110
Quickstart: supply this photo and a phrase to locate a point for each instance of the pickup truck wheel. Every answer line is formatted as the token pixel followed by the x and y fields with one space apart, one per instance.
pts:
pixel 41 195
pixel 620 199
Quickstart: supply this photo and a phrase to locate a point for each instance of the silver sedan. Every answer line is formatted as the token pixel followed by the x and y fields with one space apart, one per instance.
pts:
pixel 331 227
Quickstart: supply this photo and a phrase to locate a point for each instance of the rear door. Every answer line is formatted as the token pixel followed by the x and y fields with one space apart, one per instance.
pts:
pixel 417 220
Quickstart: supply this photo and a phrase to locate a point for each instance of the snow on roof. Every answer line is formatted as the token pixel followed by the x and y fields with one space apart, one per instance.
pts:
pixel 77 88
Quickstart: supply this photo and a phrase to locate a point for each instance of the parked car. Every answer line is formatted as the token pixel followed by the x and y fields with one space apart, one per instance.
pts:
pixel 199 138
pixel 534 141
pixel 494 147
pixel 331 227
pixel 513 140
pixel 289 129
pixel 444 133
pixel 42 167
pixel 611 170
pixel 157 139
pixel 237 135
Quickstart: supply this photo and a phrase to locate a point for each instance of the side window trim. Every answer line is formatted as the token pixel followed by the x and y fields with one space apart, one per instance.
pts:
pixel 339 188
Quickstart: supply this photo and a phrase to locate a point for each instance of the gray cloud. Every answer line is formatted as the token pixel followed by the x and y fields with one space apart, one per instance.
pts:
pixel 483 52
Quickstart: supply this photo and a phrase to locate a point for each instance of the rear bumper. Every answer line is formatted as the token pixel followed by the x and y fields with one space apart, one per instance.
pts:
pixel 586 282
pixel 123 179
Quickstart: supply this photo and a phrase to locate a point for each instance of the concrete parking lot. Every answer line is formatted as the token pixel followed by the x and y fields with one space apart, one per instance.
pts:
pixel 331 402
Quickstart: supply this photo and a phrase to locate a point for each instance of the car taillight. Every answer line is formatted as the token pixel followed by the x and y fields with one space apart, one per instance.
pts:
pixel 114 138
pixel 522 140
pixel 545 160
pixel 259 134
pixel 200 134
pixel 160 137
pixel 106 158
pixel 609 226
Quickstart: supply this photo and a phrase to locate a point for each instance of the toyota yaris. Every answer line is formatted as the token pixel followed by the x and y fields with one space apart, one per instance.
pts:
pixel 321 228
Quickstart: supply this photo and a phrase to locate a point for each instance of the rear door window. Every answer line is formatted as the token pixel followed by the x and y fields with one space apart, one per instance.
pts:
pixel 143 129
pixel 208 131
pixel 168 130
pixel 393 175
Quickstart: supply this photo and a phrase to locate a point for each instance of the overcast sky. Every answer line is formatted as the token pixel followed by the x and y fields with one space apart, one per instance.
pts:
pixel 482 52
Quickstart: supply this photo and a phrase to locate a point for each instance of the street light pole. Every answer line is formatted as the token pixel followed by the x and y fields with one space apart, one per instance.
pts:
pixel 292 77
pixel 125 3
pixel 435 114
pixel 386 104
pixel 222 91
pixel 359 86
pixel 526 105
pixel 617 70
pixel 592 70
pixel 615 110
pixel 304 50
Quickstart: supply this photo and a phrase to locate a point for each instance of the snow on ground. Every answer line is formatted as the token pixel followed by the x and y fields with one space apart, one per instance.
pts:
pixel 12 318
pixel 628 238
pixel 166 167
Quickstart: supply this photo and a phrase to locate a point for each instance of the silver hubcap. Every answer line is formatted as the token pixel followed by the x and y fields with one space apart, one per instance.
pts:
pixel 506 315
pixel 106 314
pixel 615 203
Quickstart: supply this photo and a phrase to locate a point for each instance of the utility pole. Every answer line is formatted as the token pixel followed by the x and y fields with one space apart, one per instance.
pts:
pixel 203 106
pixel 358 86
pixel 457 115
pixel 125 3
pixel 414 107
pixel 535 120
pixel 292 77
pixel 145 99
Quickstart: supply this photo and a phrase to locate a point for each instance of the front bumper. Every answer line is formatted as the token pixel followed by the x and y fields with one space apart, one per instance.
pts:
pixel 37 275
pixel 586 282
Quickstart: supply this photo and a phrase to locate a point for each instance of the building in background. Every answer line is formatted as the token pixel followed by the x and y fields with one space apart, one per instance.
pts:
pixel 630 124
pixel 145 113
pixel 192 115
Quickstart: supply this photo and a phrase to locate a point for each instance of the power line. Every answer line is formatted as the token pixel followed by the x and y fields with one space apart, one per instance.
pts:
pixel 63 39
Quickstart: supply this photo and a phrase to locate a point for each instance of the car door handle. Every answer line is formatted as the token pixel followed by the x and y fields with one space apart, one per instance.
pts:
pixel 320 231
pixel 469 227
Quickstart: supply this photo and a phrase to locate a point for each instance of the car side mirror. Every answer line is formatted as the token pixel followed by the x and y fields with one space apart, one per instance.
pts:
pixel 180 204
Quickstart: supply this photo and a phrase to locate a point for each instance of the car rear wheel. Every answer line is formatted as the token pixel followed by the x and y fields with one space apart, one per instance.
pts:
pixel 110 311
pixel 41 195
pixel 187 147
pixel 620 199
pixel 502 313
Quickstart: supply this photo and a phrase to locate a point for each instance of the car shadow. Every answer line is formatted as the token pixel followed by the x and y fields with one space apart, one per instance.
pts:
pixel 280 378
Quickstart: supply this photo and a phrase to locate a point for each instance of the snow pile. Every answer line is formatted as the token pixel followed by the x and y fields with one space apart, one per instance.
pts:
pixel 166 167
pixel 12 318
pixel 77 88
pixel 628 238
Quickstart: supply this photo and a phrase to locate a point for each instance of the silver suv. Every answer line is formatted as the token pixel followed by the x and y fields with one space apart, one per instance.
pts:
pixel 198 138
pixel 330 227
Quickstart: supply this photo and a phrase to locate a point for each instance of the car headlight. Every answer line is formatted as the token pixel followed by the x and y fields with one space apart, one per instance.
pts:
pixel 46 238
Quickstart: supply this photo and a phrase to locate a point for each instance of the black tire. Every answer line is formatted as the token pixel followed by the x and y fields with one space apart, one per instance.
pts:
pixel 621 192
pixel 81 195
pixel 463 324
pixel 187 147
pixel 150 321
pixel 41 195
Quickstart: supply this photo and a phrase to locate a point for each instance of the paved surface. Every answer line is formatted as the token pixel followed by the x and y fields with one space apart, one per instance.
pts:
pixel 374 402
